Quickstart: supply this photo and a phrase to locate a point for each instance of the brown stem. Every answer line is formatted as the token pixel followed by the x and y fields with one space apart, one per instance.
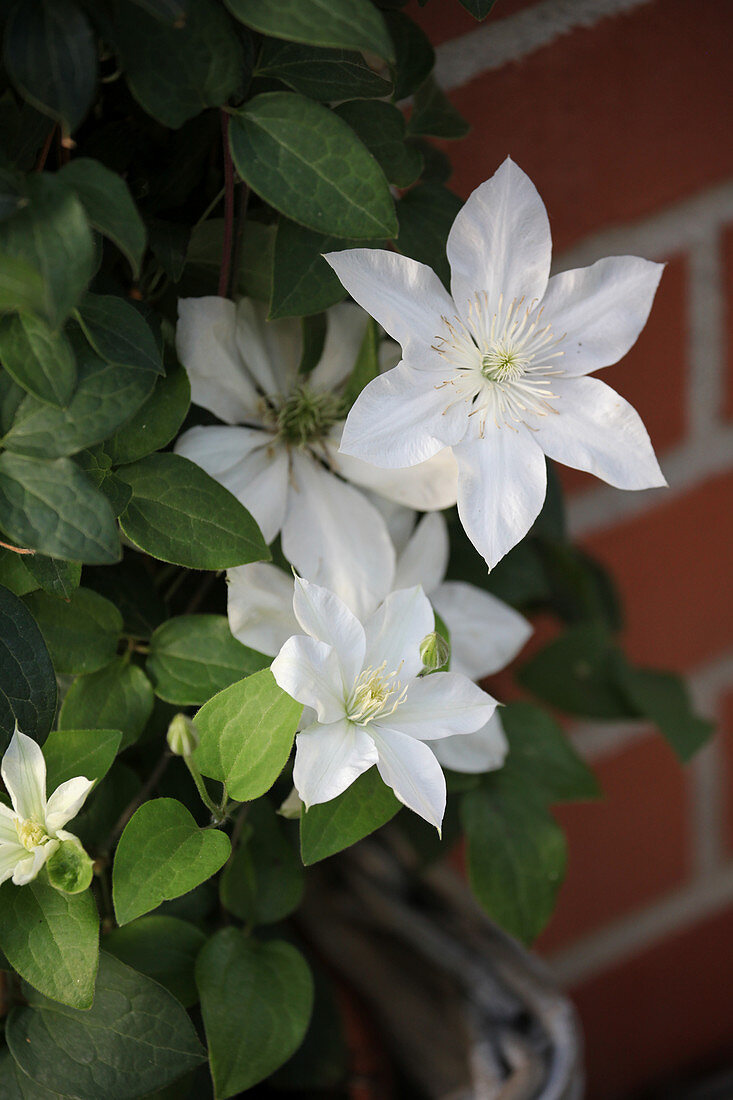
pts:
pixel 226 256
pixel 238 235
pixel 15 549
pixel 45 150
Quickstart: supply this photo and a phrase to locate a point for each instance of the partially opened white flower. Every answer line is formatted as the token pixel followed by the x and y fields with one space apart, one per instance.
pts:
pixel 369 704
pixel 276 451
pixel 497 371
pixel 33 829
pixel 485 633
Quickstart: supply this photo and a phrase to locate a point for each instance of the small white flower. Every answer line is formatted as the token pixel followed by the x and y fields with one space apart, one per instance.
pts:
pixel 497 371
pixel 277 449
pixel 32 830
pixel 362 681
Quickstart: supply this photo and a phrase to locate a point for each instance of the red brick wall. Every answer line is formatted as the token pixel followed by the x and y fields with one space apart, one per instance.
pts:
pixel 619 111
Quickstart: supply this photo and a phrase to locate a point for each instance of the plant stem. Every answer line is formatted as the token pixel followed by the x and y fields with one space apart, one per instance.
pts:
pixel 217 812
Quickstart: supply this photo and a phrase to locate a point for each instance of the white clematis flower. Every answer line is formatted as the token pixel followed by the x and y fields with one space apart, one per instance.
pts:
pixel 497 370
pixel 362 681
pixel 485 633
pixel 32 830
pixel 276 451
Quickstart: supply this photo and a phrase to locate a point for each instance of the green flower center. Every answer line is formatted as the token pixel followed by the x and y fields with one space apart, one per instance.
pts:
pixel 307 417
pixel 503 363
pixel 30 833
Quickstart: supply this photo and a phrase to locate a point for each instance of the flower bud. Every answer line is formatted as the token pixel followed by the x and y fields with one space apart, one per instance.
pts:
pixel 292 807
pixel 434 651
pixel 69 868
pixel 182 736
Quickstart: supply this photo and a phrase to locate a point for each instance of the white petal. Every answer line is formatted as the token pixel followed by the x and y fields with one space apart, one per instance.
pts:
pixel 427 487
pixel 309 672
pixel 482 751
pixel 396 629
pixel 402 418
pixel 502 481
pixel 324 616
pixel 207 347
pixel 24 775
pixel 334 536
pixel 440 705
pixel 27 869
pixel 596 430
pixel 271 349
pixel 500 241
pixel 11 854
pixel 485 633
pixel 601 309
pixel 406 297
pixel 425 558
pixel 400 521
pixel 345 329
pixel 260 606
pixel 66 801
pixel 247 463
pixel 329 758
pixel 411 769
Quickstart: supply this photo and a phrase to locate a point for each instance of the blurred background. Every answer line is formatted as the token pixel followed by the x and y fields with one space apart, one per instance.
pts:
pixel 619 110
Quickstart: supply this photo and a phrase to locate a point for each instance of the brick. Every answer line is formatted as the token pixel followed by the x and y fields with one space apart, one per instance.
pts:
pixel 613 121
pixel 653 376
pixel 656 1017
pixel 445 19
pixel 728 273
pixel 628 850
pixel 670 567
pixel 726 743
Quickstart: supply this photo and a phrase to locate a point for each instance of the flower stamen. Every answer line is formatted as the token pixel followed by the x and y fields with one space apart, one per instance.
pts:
pixel 376 694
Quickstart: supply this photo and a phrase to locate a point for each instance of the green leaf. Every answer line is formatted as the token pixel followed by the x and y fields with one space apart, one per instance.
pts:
pixel 162 854
pixel 54 508
pixel 179 514
pixel 50 234
pixel 14 574
pixel 246 734
pixel 382 129
pixel 106 395
pixel 81 632
pixel 60 578
pixel 109 206
pixel 119 696
pixel 135 1038
pixel 541 755
pixel 263 881
pixel 168 11
pixel 40 359
pixel 51 940
pixel 577 673
pixel 426 214
pixel 192 657
pixel 348 24
pixel 434 115
pixel 175 72
pixel 307 163
pixel 17 1086
pixel 366 366
pixel 326 75
pixel 414 55
pixel 516 854
pixel 663 698
pixel 21 284
pixel 27 679
pixel 479 9
pixel 118 332
pixel 255 271
pixel 273 980
pixel 69 753
pixel 156 422
pixel 164 948
pixel 332 826
pixel 302 282
pixel 581 589
pixel 51 56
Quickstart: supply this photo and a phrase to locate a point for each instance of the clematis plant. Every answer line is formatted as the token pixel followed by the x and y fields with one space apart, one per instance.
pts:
pixel 371 704
pixel 498 369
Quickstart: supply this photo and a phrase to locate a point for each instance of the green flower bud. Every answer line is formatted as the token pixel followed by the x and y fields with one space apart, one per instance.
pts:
pixel 434 651
pixel 182 736
pixel 69 868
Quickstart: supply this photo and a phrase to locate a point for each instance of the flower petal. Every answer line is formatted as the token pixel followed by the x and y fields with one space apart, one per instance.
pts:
pixel 24 774
pixel 601 309
pixel 403 418
pixel 485 633
pixel 260 606
pixel 10 856
pixel 406 297
pixel 482 751
pixel 427 486
pixel 66 801
pixel 598 431
pixel 424 559
pixel 27 869
pixel 440 705
pixel 500 241
pixel 247 463
pixel 334 536
pixel 329 758
pixel 411 769
pixel 207 346
pixel 325 617
pixel 502 481
pixel 270 349
pixel 309 671
pixel 396 629
pixel 345 329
